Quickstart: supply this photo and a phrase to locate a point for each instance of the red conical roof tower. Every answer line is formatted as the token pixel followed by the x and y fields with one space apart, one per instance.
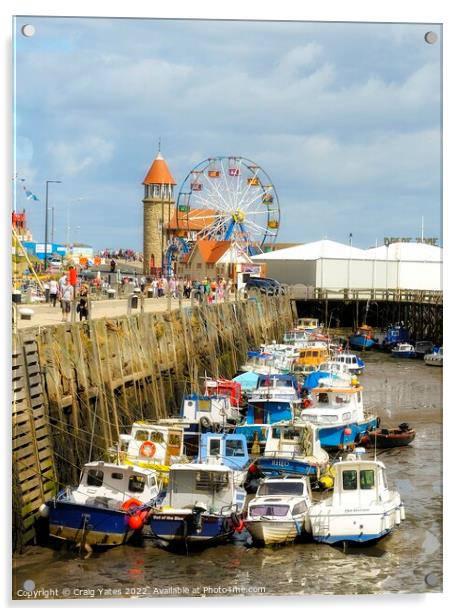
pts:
pixel 159 173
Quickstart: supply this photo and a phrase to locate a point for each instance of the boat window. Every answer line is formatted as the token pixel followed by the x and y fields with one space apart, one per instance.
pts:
pixel 174 440
pixel 156 437
pixel 328 419
pixel 350 480
pixel 234 448
pixel 367 479
pixel 214 446
pixel 211 480
pixel 341 399
pixel 310 418
pixel 136 483
pixel 346 416
pixel 269 510
pixel 281 487
pixel 95 478
pixel 117 476
pixel 384 479
pixel 142 435
pixel 204 405
pixel 299 508
pixel 323 398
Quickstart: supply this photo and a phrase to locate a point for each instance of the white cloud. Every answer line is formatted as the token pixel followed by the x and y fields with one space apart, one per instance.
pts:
pixel 72 157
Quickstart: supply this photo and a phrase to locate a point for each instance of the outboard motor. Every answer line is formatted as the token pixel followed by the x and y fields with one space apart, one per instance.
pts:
pixel 197 511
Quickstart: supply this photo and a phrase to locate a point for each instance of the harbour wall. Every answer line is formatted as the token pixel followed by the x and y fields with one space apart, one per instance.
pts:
pixel 77 386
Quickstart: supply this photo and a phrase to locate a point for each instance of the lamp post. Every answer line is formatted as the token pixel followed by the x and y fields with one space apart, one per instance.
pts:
pixel 45 261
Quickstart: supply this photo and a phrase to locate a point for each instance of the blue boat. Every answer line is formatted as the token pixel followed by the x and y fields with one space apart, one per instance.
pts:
pixel 274 399
pixel 394 335
pixel 109 505
pixel 363 339
pixel 338 412
pixel 201 507
pixel 220 448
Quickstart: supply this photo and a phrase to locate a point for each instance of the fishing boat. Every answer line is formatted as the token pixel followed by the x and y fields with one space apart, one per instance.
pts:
pixel 293 447
pixel 276 398
pixel 394 334
pixel 338 411
pixel 296 337
pixel 108 506
pixel 435 358
pixel 384 438
pixel 423 347
pixel 201 507
pixel 308 324
pixel 228 449
pixel 312 354
pixel 363 339
pixel 278 513
pixel 403 350
pixel 353 363
pixel 362 509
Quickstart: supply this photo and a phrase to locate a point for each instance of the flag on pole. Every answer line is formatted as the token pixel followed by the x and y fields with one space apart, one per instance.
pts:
pixel 30 195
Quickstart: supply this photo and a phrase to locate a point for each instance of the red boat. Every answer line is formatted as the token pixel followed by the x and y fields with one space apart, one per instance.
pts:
pixel 383 438
pixel 225 387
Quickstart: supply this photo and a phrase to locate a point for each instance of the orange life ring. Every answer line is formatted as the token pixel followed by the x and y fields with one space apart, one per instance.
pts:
pixel 147 449
pixel 130 503
pixel 306 403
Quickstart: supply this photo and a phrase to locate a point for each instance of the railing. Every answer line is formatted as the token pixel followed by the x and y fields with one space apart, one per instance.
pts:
pixel 304 292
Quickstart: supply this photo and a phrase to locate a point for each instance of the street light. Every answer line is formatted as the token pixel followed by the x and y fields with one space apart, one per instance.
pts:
pixel 46 219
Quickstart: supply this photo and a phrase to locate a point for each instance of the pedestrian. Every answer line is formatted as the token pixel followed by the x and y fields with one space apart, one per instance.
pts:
pixel 251 484
pixel 67 295
pixel 54 289
pixel 154 286
pixel 82 307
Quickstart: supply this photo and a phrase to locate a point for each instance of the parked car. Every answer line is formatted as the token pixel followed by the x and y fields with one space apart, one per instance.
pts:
pixel 267 286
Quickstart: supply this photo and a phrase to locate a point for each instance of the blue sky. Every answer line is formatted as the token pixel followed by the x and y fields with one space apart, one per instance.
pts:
pixel 345 119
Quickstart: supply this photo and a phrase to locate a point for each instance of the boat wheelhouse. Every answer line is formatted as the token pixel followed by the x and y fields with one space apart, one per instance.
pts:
pixel 228 449
pixel 293 447
pixel 403 351
pixel 201 506
pixel 352 362
pixel 279 512
pixel 395 334
pixel 361 509
pixel 313 354
pixel 106 508
pixel 308 324
pixel 338 411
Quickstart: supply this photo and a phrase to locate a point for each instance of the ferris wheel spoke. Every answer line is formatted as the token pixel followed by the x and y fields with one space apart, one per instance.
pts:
pixel 257 227
pixel 215 190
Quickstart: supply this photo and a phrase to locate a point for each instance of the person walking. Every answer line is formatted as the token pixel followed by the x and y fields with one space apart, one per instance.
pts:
pixel 53 292
pixel 67 295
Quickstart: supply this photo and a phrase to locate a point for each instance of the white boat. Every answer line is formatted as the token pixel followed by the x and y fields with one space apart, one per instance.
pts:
pixel 435 358
pixel 278 513
pixel 293 447
pixel 308 324
pixel 403 350
pixel 361 509
pixel 351 361
pixel 337 409
pixel 201 506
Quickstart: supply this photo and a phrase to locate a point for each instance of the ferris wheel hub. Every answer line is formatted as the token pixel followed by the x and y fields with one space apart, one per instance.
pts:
pixel 238 216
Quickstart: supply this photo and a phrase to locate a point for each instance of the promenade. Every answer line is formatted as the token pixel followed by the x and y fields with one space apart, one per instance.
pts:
pixel 45 314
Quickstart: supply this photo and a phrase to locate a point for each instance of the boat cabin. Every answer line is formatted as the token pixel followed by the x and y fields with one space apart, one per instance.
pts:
pixel 154 443
pixel 210 485
pixel 109 485
pixel 313 355
pixel 351 362
pixel 292 440
pixel 335 405
pixel 296 336
pixel 229 449
pixel 359 482
pixel 215 409
pixel 308 324
pixel 226 388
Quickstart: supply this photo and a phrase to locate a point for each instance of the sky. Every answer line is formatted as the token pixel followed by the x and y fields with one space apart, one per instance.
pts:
pixel 344 117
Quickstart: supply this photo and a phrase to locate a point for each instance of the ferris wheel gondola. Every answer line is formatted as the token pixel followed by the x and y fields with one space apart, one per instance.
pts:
pixel 229 198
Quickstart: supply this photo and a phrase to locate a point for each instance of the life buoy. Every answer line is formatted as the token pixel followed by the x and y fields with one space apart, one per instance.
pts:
pixel 306 403
pixel 131 503
pixel 137 519
pixel 147 449
pixel 237 522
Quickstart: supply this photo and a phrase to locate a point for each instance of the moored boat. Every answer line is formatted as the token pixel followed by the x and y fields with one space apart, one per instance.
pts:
pixel 403 350
pixel 201 507
pixel 362 509
pixel 278 513
pixel 107 507
pixel 435 358
pixel 363 339
pixel 384 438
pixel 353 363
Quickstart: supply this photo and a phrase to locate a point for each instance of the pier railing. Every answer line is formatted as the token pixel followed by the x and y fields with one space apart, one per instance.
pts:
pixel 304 292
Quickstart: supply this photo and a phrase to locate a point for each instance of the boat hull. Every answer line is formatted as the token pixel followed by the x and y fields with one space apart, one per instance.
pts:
pixel 386 441
pixel 279 465
pixel 361 342
pixel 334 437
pixel 274 532
pixel 403 354
pixel 178 528
pixel 93 526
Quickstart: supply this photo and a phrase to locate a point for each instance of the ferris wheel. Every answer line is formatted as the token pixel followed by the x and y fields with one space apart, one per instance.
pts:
pixel 229 198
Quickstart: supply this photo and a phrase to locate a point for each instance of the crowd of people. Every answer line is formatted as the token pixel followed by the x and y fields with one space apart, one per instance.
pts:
pixel 125 254
pixel 62 291
pixel 208 290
